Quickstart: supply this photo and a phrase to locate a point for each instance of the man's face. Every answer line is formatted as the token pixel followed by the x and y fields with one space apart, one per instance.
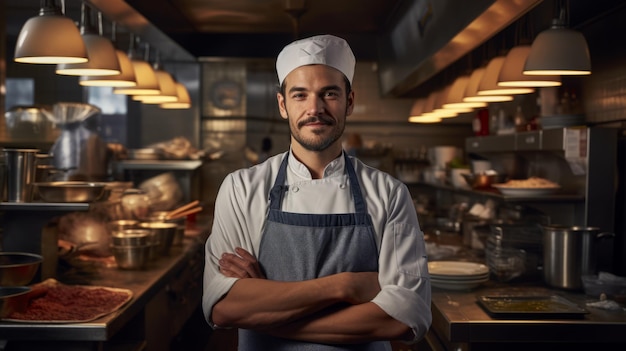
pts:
pixel 316 105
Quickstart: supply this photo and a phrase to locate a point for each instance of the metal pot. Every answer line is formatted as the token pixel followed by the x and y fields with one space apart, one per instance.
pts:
pixel 569 252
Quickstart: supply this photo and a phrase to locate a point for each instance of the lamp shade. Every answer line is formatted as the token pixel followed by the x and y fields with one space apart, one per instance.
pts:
pixel 102 59
pixel 126 78
pixel 489 83
pixel 166 86
pixel 558 51
pixel 183 101
pixel 471 92
pixel 147 83
pixel 511 73
pixel 50 38
pixel 457 93
pixel 418 107
pixel 424 119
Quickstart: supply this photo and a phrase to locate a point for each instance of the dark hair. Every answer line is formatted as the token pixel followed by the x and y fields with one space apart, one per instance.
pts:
pixel 281 88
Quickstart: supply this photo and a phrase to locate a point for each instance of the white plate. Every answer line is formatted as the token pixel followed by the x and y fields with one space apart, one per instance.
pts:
pixel 509 191
pixel 457 268
pixel 459 277
pixel 457 285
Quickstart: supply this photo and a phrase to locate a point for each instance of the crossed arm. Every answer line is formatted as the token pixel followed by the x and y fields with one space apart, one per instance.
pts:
pixel 331 309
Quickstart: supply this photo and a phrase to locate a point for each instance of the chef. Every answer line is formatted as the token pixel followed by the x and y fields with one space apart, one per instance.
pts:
pixel 312 249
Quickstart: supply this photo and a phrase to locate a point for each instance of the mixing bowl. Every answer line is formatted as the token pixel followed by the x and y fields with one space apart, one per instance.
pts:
pixel 70 191
pixel 131 237
pixel 18 268
pixel 12 299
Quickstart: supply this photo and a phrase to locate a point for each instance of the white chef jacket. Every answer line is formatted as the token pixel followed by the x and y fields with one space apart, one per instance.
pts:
pixel 242 205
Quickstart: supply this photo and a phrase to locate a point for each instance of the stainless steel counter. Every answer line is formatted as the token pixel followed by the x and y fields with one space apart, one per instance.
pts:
pixel 162 276
pixel 460 323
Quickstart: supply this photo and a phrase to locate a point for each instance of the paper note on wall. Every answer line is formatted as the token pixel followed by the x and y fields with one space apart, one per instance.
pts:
pixel 576 149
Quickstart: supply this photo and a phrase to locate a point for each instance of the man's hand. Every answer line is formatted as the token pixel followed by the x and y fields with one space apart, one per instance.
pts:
pixel 240 264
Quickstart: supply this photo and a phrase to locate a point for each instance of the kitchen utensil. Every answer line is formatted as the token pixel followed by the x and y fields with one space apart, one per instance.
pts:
pixel 18 268
pixel 12 299
pixel 177 211
pixel 20 165
pixel 29 123
pixel 164 232
pixel 131 237
pixel 163 190
pixel 456 178
pixel 88 231
pixel 131 257
pixel 79 150
pixel 69 191
pixel 181 223
pixel 440 155
pixel 483 180
pixel 187 212
pixel 121 224
pixel 569 252
pixel 531 307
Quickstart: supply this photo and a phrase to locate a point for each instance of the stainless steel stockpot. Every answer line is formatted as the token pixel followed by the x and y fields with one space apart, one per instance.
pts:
pixel 569 252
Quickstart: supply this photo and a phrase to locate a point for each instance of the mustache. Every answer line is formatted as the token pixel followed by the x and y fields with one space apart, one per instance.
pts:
pixel 316 119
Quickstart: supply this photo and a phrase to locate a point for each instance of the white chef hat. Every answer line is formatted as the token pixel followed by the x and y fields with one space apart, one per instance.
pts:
pixel 321 49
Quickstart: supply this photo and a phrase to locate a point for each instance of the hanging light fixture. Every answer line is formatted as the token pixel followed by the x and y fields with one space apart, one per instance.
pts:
pixel 559 50
pixel 433 106
pixel 183 101
pixel 102 57
pixel 147 83
pixel 471 93
pixel 126 78
pixel 167 87
pixel 457 93
pixel 424 119
pixel 50 38
pixel 512 75
pixel 442 97
pixel 489 83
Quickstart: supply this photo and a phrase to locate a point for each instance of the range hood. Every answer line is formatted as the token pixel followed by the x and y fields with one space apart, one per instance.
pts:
pixel 426 36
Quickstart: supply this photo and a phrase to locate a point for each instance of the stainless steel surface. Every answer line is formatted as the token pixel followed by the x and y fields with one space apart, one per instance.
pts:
pixel 20 165
pixel 483 180
pixel 569 252
pixel 460 322
pixel 18 268
pixel 164 165
pixel 29 122
pixel 144 284
pixel 70 191
pixel 79 151
pixel 164 232
pixel 10 298
pixel 131 257
pixel 131 237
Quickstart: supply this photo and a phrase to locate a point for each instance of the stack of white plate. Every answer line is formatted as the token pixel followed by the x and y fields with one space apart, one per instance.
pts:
pixel 456 275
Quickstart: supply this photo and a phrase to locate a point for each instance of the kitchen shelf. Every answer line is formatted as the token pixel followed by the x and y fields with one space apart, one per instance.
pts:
pixel 495 194
pixel 43 206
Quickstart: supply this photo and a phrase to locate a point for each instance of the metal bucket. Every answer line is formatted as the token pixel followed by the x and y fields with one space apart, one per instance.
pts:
pixel 569 252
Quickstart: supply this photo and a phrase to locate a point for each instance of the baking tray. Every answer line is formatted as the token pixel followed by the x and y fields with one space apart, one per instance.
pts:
pixel 530 307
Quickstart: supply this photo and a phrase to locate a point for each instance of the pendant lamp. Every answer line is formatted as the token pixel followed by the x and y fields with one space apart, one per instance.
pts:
pixel 512 75
pixel 418 107
pixel 183 101
pixel 457 93
pixel 102 57
pixel 471 93
pixel 50 38
pixel 559 51
pixel 424 119
pixel 442 97
pixel 126 78
pixel 489 83
pixel 433 105
pixel 167 86
pixel 147 83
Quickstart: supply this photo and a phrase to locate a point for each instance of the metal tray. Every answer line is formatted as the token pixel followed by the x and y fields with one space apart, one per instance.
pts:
pixel 530 307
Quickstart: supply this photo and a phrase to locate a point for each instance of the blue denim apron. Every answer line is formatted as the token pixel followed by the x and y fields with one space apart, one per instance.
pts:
pixel 302 246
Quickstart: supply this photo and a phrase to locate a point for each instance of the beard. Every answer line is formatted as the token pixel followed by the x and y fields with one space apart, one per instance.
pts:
pixel 316 143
